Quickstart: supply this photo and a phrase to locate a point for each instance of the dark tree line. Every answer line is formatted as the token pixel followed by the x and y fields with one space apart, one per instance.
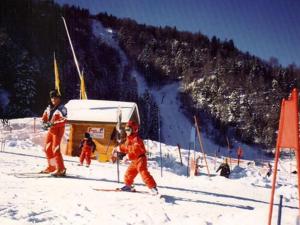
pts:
pixel 30 32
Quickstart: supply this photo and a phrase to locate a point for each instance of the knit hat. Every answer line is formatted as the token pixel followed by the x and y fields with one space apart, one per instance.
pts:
pixel 87 135
pixel 54 94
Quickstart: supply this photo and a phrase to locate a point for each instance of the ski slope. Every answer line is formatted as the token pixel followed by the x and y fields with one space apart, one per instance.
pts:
pixel 242 199
pixel 175 127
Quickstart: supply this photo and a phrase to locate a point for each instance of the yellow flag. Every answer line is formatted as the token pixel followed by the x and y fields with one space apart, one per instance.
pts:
pixel 56 76
pixel 83 94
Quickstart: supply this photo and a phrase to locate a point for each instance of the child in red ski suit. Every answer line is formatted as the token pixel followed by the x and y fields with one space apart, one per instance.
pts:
pixel 54 120
pixel 87 146
pixel 136 152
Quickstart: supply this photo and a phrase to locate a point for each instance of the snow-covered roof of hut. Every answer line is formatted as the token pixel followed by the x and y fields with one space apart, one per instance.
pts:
pixel 101 111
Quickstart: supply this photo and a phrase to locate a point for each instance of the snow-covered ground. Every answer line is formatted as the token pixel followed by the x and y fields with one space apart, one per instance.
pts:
pixel 243 199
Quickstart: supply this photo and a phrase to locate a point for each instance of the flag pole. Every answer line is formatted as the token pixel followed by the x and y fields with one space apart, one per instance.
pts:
pixel 72 48
pixel 201 145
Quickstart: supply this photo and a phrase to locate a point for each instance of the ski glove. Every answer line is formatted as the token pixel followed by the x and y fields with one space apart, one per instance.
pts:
pixel 120 155
pixel 47 125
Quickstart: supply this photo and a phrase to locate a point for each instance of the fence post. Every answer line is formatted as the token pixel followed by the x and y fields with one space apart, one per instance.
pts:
pixel 178 145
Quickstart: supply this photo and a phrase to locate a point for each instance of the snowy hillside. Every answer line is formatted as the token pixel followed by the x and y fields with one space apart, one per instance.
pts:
pixel 175 126
pixel 33 199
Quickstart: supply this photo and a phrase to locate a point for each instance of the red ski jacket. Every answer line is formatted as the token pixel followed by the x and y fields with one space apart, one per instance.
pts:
pixel 133 147
pixel 56 115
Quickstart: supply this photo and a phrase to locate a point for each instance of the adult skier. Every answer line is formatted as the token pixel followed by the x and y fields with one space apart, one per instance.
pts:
pixel 135 151
pixel 87 146
pixel 54 119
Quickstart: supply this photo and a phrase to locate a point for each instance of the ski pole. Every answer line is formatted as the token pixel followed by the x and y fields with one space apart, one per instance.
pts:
pixel 118 170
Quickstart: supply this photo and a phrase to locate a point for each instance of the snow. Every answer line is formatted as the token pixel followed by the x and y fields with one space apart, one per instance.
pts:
pixel 107 36
pixel 242 199
pixel 100 110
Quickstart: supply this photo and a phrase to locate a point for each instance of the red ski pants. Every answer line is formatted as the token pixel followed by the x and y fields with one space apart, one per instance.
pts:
pixel 139 166
pixel 86 155
pixel 52 148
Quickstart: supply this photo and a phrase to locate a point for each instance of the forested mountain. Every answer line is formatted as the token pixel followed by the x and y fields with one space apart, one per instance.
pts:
pixel 235 92
pixel 238 92
pixel 30 32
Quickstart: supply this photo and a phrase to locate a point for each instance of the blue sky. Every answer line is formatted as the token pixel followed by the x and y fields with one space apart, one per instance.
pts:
pixel 262 27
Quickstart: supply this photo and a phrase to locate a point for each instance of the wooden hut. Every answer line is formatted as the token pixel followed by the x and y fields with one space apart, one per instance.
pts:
pixel 99 118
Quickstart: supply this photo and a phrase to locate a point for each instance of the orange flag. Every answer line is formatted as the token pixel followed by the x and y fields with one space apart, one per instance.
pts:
pixel 288 134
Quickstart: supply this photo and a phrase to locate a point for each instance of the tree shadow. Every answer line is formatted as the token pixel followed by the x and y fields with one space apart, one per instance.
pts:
pixel 223 196
pixel 172 200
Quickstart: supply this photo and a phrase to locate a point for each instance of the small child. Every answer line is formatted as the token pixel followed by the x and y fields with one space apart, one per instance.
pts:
pixel 225 169
pixel 87 146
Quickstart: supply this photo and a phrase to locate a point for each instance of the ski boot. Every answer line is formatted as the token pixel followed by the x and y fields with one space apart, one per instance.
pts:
pixel 126 188
pixel 59 173
pixel 154 191
pixel 49 169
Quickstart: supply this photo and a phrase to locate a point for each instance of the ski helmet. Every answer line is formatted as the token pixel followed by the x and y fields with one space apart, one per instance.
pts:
pixel 133 125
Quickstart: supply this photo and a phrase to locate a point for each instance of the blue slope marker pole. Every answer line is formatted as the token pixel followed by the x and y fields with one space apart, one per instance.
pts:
pixel 279 211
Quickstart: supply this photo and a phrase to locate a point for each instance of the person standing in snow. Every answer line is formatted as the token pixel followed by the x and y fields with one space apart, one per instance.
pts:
pixel 87 146
pixel 269 172
pixel 225 169
pixel 134 150
pixel 239 153
pixel 54 120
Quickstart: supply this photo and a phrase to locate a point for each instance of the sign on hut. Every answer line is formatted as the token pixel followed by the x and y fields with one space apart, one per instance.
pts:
pixel 99 118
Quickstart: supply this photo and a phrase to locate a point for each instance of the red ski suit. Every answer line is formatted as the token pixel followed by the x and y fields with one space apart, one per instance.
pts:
pixel 57 116
pixel 135 149
pixel 87 146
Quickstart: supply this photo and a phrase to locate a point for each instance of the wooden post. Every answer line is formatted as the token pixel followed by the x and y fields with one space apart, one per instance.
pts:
pixel 159 139
pixel 201 145
pixel 34 122
pixel 178 145
pixel 228 148
pixel 188 162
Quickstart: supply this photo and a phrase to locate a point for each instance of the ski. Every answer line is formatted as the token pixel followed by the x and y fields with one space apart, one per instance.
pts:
pixel 30 175
pixel 119 190
pixel 132 191
pixel 41 175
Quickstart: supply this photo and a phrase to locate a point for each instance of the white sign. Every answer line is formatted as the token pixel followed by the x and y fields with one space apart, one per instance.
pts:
pixel 96 132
